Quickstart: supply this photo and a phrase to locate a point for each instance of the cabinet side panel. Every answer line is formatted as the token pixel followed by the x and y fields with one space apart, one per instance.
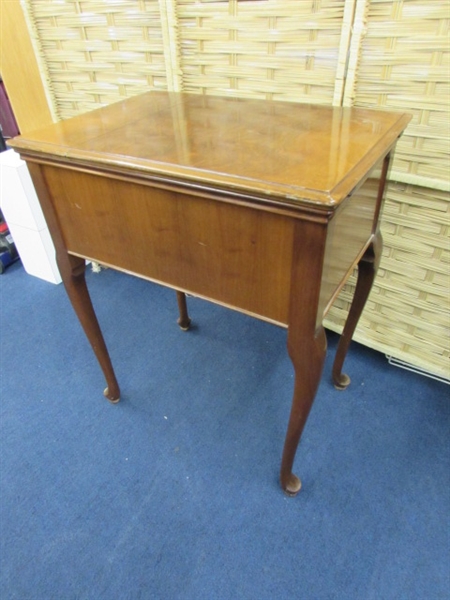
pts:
pixel 348 234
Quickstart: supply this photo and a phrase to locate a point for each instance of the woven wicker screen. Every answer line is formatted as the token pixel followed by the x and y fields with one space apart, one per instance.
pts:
pixel 402 62
pixel 389 54
pixel 95 52
pixel 286 50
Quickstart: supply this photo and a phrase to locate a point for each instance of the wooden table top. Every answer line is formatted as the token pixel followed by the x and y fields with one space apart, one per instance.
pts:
pixel 296 153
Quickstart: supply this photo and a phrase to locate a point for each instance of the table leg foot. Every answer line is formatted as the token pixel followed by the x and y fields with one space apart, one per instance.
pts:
pixel 113 396
pixel 341 381
pixel 183 325
pixel 292 486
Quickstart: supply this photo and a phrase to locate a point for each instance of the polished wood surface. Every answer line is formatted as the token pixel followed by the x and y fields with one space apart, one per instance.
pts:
pixel 264 207
pixel 297 153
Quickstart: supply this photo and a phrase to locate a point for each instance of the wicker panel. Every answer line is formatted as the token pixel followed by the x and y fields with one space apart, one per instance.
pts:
pixel 265 48
pixel 97 52
pixel 407 314
pixel 403 63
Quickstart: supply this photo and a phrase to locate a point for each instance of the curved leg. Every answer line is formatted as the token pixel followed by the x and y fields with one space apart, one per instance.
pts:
pixel 184 321
pixel 308 358
pixel 367 269
pixel 307 342
pixel 72 271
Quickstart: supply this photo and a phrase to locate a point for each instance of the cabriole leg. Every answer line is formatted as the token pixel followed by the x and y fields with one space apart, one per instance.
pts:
pixel 308 358
pixel 367 269
pixel 72 271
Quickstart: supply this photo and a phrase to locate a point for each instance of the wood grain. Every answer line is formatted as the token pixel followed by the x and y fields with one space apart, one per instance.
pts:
pixel 211 249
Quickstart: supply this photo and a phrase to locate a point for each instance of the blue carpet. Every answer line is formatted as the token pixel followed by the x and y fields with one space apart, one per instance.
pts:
pixel 173 493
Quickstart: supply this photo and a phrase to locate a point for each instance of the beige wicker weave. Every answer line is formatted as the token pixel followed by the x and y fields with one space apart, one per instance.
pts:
pixel 403 62
pixel 98 52
pixel 276 50
pixel 379 53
